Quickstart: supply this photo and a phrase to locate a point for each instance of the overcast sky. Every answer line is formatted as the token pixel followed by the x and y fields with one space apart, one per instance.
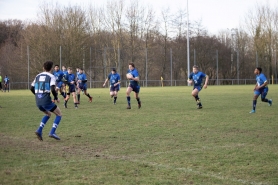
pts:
pixel 215 14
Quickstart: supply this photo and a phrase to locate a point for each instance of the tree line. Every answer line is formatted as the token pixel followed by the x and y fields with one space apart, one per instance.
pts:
pixel 98 38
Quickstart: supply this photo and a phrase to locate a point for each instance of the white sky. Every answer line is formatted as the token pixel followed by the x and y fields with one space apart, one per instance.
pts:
pixel 216 15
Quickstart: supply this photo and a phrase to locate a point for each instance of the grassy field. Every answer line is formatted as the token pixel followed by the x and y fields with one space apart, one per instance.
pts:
pixel 167 141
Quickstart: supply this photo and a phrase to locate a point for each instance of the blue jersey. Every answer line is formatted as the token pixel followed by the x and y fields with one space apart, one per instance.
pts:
pixel 6 80
pixel 69 78
pixel 261 79
pixel 114 78
pixel 42 84
pixel 82 77
pixel 197 78
pixel 65 72
pixel 135 74
pixel 58 75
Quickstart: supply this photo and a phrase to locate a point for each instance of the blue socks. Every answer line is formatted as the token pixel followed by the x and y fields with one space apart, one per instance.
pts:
pixel 55 124
pixel 128 100
pixel 43 122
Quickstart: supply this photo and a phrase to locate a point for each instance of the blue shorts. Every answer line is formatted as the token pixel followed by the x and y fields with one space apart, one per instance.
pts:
pixel 199 88
pixel 59 85
pixel 49 107
pixel 262 92
pixel 114 88
pixel 70 89
pixel 136 89
pixel 82 86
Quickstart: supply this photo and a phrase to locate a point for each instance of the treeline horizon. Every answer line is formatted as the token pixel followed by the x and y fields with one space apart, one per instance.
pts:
pixel 98 39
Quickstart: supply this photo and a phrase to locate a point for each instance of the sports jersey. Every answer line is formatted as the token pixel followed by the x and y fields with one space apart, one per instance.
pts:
pixel 65 72
pixel 42 84
pixel 135 74
pixel 83 78
pixel 114 78
pixel 69 78
pixel 261 79
pixel 197 78
pixel 6 80
pixel 58 75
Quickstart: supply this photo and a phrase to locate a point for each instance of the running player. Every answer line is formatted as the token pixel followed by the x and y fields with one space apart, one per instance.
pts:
pixel 59 83
pixel 115 81
pixel 133 85
pixel 41 87
pixel 260 89
pixel 69 80
pixel 197 77
pixel 6 83
pixel 82 85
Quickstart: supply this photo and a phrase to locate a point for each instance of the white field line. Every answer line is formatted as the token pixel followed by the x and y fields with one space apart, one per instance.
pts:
pixel 137 159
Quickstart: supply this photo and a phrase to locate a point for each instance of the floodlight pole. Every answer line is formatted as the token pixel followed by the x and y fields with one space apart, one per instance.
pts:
pixel 188 57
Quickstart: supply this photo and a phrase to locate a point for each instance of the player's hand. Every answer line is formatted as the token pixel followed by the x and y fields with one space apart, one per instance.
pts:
pixel 189 81
pixel 115 85
pixel 257 88
pixel 205 86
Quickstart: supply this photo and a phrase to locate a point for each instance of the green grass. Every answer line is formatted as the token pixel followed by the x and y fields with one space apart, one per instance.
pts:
pixel 167 141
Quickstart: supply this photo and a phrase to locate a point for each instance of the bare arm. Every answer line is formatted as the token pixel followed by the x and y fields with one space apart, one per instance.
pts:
pixel 105 82
pixel 206 82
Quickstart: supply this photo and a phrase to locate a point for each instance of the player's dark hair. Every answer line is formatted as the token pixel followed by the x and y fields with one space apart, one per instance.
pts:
pixel 81 69
pixel 57 65
pixel 48 65
pixel 259 68
pixel 195 66
pixel 132 64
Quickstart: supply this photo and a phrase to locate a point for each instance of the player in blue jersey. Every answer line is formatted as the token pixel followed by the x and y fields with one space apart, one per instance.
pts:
pixel 260 89
pixel 82 85
pixel 69 80
pixel 6 83
pixel 197 78
pixel 41 87
pixel 59 83
pixel 133 85
pixel 64 70
pixel 115 81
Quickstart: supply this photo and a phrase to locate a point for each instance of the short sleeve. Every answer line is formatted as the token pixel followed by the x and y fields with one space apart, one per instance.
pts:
pixel 52 80
pixel 135 73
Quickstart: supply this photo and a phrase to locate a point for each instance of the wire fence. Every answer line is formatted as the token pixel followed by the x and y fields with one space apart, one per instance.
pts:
pixel 157 83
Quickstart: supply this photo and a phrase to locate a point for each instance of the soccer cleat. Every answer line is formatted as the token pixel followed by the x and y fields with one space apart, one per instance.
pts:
pixel 39 135
pixel 128 107
pixel 199 107
pixel 139 104
pixel 90 99
pixel 78 102
pixel 54 136
pixel 252 111
pixel 269 102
